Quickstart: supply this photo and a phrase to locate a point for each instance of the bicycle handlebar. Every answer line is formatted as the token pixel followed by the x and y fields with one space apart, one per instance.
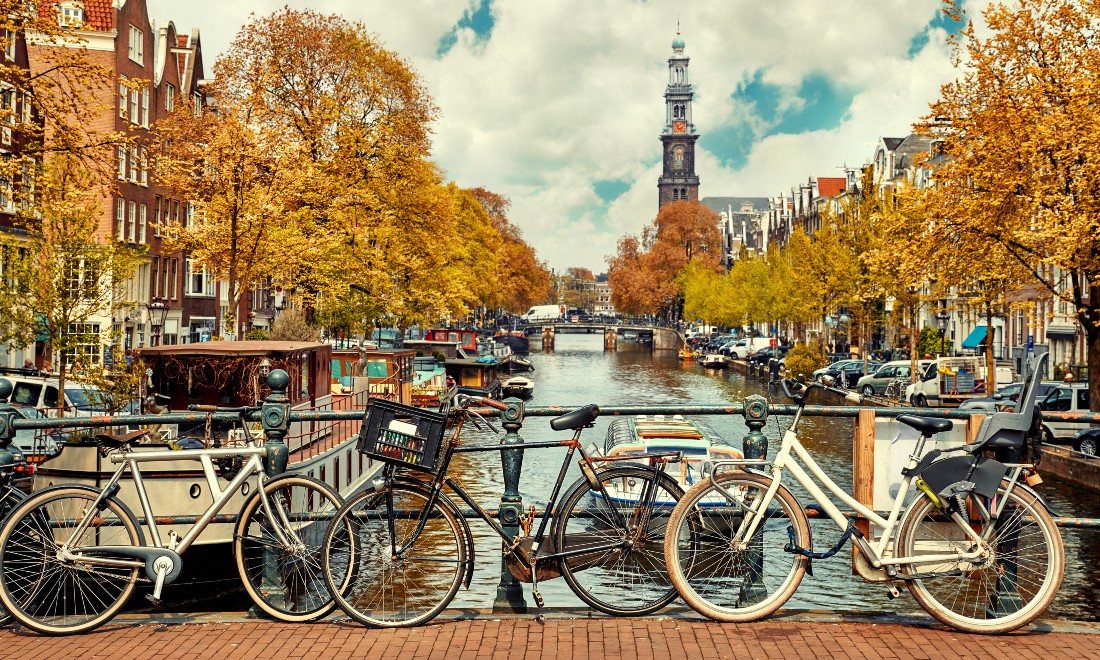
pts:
pixel 485 401
pixel 797 391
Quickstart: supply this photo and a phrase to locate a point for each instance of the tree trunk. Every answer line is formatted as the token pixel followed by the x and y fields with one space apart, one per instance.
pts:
pixel 1092 339
pixel 990 363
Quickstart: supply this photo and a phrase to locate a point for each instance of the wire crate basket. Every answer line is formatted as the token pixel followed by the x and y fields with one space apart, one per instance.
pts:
pixel 403 435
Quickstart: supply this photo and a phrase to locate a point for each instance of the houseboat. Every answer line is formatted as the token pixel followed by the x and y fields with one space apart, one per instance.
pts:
pixel 654 434
pixel 476 377
pixel 231 374
pixel 431 387
pixel 390 372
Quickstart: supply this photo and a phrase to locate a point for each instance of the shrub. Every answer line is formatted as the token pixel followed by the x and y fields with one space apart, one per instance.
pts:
pixel 803 360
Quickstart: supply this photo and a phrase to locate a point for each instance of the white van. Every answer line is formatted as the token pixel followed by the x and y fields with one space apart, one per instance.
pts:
pixel 80 400
pixel 742 348
pixel 948 381
pixel 543 313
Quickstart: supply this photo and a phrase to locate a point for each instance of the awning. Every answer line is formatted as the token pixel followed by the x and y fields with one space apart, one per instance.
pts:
pixel 976 337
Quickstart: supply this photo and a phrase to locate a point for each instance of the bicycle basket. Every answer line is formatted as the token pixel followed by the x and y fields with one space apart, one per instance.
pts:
pixel 403 435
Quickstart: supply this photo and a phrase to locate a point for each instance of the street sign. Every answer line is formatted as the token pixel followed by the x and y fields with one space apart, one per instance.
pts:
pixel 1031 343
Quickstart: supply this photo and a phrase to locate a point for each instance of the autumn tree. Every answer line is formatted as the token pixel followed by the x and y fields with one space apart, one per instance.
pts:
pixel 643 273
pixel 1019 130
pixel 61 277
pixel 232 173
pixel 523 280
pixel 353 124
pixel 822 268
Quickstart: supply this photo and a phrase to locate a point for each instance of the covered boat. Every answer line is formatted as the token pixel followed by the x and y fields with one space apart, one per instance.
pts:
pixel 518 386
pixel 653 434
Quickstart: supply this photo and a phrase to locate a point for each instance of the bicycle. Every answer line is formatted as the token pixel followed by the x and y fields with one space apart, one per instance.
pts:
pixel 977 547
pixel 411 548
pixel 10 496
pixel 895 389
pixel 71 555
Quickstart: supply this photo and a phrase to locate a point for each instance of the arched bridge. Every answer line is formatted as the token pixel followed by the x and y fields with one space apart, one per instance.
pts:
pixel 658 338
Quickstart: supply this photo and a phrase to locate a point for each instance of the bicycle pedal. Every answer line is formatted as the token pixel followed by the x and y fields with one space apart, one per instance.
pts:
pixel 538 597
pixel 892 592
pixel 154 600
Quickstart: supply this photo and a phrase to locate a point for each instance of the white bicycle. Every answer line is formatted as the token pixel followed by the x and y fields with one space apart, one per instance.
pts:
pixel 977 547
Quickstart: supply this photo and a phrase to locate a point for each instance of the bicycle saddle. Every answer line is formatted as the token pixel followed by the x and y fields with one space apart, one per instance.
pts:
pixel 114 441
pixel 579 418
pixel 926 425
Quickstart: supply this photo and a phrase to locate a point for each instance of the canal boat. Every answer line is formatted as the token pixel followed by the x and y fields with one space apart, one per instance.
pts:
pixel 654 434
pixel 518 386
pixel 389 372
pixel 230 374
pixel 513 339
pixel 714 361
pixel 515 364
pixel 474 376
pixel 431 387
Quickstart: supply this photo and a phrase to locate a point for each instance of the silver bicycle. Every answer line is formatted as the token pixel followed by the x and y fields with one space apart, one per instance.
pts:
pixel 72 555
pixel 977 547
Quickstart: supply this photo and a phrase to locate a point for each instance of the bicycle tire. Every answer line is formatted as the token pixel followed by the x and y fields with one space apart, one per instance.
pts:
pixel 980 600
pixel 9 500
pixel 380 590
pixel 287 582
pixel 629 581
pixel 722 582
pixel 56 597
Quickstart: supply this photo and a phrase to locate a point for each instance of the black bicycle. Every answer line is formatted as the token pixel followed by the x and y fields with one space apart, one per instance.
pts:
pixel 410 548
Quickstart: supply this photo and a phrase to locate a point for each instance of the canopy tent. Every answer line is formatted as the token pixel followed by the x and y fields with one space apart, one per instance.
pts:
pixel 976 337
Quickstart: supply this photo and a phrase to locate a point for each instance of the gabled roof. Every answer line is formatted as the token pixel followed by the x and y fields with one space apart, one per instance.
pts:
pixel 99 15
pixel 892 143
pixel 723 204
pixel 831 186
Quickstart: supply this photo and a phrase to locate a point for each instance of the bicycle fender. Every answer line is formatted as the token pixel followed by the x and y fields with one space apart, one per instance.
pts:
pixel 465 526
pixel 1031 491
pixel 97 491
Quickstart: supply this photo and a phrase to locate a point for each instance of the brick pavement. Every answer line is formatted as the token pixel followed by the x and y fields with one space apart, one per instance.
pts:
pixel 555 638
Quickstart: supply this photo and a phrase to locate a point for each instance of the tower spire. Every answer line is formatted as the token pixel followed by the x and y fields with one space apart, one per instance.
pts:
pixel 678 180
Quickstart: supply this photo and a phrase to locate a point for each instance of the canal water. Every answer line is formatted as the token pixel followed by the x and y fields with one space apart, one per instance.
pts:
pixel 579 372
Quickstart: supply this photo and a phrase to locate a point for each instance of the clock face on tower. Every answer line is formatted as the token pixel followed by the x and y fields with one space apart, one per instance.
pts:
pixel 679 127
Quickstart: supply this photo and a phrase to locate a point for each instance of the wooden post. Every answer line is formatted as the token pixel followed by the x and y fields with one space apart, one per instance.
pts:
pixel 863 468
pixel 548 338
pixel 610 338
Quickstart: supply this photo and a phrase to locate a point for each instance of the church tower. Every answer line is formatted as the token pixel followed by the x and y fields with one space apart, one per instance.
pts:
pixel 678 179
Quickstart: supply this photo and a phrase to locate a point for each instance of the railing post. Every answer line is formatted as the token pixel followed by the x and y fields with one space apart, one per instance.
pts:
pixel 510 591
pixel 755 447
pixel 275 417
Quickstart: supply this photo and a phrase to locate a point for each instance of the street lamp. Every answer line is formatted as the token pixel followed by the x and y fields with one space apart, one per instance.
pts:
pixel 943 318
pixel 158 312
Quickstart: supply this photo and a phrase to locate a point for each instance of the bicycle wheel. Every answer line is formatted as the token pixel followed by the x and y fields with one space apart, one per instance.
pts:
pixel 717 571
pixel 379 587
pixel 1009 588
pixel 625 575
pixel 286 580
pixel 10 498
pixel 57 596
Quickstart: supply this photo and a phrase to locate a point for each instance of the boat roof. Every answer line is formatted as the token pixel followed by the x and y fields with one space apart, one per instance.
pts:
pixel 666 431
pixel 241 348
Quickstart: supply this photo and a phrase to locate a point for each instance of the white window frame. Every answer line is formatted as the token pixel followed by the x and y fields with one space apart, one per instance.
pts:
pixel 120 219
pixel 143 167
pixel 134 163
pixel 9 47
pixel 205 288
pixel 145 107
pixel 137 46
pixel 197 99
pixel 142 222
pixel 131 223
pixel 169 97
pixel 121 162
pixel 158 206
pixel 123 97
pixel 28 107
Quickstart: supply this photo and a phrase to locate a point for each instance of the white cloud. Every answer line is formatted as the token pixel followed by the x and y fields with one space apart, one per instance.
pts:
pixel 568 93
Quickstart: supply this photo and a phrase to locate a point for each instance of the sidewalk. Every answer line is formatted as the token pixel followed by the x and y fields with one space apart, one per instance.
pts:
pixel 560 636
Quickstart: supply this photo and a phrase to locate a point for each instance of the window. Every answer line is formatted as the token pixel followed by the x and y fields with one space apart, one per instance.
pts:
pixel 156 215
pixel 197 99
pixel 198 283
pixel 9 45
pixel 86 346
pixel 137 45
pixel 134 165
pixel 6 202
pixel 123 94
pixel 134 106
pixel 143 167
pixel 145 107
pixel 27 181
pixel 122 162
pixel 28 106
pixel 174 279
pixel 163 292
pixel 120 219
pixel 175 210
pixel 188 213
pixel 141 224
pixel 70 14
pixel 131 224
pixel 169 98
pixel 154 285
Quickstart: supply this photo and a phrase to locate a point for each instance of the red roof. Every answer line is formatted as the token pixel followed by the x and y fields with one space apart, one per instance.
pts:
pixel 831 186
pixel 99 15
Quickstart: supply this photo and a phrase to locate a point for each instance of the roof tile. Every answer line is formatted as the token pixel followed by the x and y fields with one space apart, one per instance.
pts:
pixel 831 186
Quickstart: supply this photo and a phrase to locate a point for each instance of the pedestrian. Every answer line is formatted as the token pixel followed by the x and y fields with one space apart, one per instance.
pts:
pixel 28 364
pixel 887 354
pixel 1069 377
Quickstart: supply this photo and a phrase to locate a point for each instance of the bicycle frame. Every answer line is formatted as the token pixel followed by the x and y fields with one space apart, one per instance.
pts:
pixel 792 449
pixel 131 460
pixel 573 444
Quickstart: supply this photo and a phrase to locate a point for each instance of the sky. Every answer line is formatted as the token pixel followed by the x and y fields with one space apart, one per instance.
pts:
pixel 558 104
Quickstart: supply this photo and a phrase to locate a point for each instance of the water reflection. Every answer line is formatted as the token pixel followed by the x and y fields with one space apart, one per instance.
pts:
pixel 580 372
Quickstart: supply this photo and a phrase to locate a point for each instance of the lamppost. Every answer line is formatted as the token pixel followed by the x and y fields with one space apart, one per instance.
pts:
pixel 158 312
pixel 944 318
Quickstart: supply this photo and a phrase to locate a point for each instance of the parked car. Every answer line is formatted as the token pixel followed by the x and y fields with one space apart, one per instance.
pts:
pixel 749 345
pixel 898 369
pixel 767 353
pixel 37 442
pixel 1065 397
pixel 846 372
pixel 1087 441
pixel 80 400
pixel 1003 398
